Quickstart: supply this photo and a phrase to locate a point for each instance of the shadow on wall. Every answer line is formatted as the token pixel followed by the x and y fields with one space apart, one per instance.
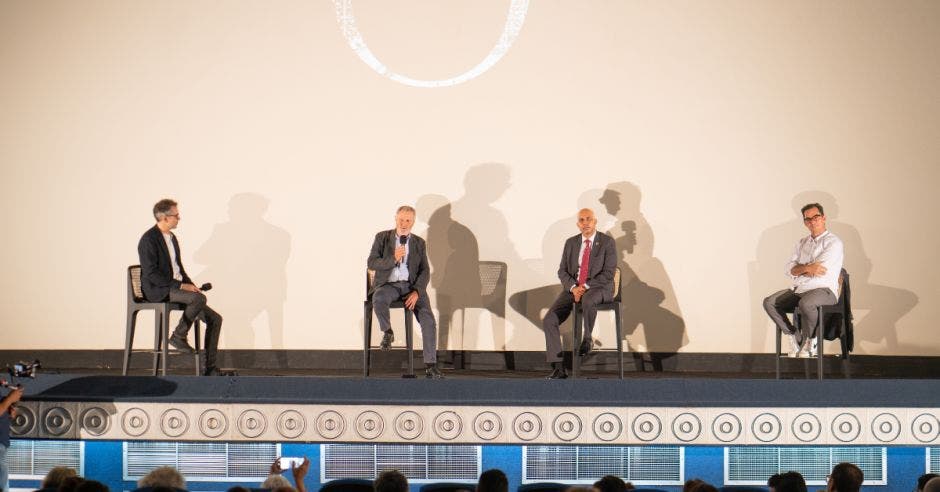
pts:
pixel 246 260
pixel 648 296
pixel 876 332
pixel 471 257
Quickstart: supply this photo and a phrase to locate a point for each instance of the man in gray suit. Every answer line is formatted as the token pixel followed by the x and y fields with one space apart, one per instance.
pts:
pixel 400 261
pixel 587 274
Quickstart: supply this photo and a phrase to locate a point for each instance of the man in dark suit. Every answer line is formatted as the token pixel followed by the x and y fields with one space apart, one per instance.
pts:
pixel 587 274
pixel 400 261
pixel 163 278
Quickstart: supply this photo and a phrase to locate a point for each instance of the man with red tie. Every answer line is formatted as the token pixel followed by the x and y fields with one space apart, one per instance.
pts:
pixel 587 275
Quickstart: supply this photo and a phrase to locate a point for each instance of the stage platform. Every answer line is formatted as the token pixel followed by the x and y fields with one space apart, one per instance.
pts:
pixel 490 410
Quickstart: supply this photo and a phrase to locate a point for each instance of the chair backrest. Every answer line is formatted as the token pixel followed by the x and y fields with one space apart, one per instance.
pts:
pixel 348 485
pixel 134 292
pixel 843 282
pixel 448 487
pixel 543 487
pixel 492 276
pixel 616 283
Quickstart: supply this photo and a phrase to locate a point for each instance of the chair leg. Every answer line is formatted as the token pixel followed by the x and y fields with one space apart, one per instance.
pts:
pixel 157 339
pixel 618 325
pixel 777 353
pixel 409 340
pixel 820 338
pixel 366 338
pixel 576 332
pixel 129 340
pixel 197 328
pixel 165 329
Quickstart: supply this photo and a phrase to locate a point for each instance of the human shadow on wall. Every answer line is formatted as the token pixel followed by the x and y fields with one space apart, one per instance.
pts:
pixel 534 303
pixel 648 296
pixel 886 305
pixel 455 257
pixel 246 260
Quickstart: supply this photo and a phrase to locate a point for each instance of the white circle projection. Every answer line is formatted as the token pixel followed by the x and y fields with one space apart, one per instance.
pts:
pixel 514 20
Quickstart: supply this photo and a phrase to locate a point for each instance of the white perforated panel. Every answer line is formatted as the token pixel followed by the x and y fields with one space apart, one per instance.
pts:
pixel 753 465
pixel 31 460
pixel 642 465
pixel 418 462
pixel 933 460
pixel 201 461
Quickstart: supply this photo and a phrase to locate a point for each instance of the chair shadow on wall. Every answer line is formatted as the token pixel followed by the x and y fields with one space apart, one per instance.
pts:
pixel 461 283
pixel 246 260
pixel 885 305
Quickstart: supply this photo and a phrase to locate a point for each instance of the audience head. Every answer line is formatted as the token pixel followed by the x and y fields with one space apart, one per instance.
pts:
pixel 238 488
pixel 845 477
pixel 284 489
pixel 932 485
pixel 790 481
pixel 611 483
pixel 692 484
pixel 493 481
pixel 275 481
pixel 69 484
pixel 580 489
pixel 391 481
pixel 923 479
pixel 55 477
pixel 92 486
pixel 164 476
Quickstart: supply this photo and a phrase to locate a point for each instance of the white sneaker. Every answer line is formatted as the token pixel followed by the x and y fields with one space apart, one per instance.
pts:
pixel 795 348
pixel 813 350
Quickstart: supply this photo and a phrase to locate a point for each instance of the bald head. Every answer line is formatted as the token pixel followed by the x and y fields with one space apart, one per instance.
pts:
pixel 587 222
pixel 933 485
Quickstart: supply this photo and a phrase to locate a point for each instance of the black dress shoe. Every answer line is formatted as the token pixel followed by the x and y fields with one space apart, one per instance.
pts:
pixel 587 346
pixel 387 340
pixel 432 372
pixel 212 371
pixel 179 343
pixel 558 373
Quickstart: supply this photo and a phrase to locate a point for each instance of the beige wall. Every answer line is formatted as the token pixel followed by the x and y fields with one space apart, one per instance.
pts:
pixel 710 122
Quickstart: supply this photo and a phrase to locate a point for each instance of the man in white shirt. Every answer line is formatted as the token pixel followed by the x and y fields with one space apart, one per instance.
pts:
pixel 814 270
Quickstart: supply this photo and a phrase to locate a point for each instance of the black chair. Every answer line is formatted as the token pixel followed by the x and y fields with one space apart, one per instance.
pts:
pixel 614 306
pixel 840 308
pixel 543 487
pixel 161 317
pixel 742 488
pixel 367 329
pixel 493 299
pixel 348 485
pixel 448 487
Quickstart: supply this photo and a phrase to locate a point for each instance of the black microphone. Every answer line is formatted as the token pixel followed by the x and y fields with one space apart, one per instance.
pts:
pixel 206 286
pixel 402 240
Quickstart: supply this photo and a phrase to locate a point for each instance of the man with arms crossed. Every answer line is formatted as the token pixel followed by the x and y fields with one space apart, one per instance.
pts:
pixel 814 271
pixel 163 278
pixel 402 271
pixel 587 274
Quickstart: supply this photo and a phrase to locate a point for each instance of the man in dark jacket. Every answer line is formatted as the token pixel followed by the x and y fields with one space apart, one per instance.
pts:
pixel 163 278
pixel 400 261
pixel 586 272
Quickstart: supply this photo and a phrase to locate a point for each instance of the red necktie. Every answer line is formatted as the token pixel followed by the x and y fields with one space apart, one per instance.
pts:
pixel 585 262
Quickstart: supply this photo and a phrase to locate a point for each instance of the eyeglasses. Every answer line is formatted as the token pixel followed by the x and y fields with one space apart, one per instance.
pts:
pixel 173 215
pixel 810 219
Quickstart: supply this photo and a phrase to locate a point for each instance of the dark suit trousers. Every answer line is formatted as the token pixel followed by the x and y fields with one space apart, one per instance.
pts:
pixel 385 294
pixel 195 306
pixel 559 312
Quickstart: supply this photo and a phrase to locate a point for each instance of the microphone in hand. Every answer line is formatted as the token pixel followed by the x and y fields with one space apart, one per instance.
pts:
pixel 206 286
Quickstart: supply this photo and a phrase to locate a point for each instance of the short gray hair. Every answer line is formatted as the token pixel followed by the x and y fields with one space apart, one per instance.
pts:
pixel 164 476
pixel 162 208
pixel 405 208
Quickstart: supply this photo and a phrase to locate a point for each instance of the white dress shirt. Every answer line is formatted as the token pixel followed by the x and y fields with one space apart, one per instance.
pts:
pixel 400 271
pixel 168 238
pixel 826 249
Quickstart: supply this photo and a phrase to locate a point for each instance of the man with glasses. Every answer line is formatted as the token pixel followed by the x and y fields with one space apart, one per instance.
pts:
pixel 813 270
pixel 163 278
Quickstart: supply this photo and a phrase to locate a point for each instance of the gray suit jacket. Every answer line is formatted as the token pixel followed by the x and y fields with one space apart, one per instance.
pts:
pixel 382 260
pixel 601 269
